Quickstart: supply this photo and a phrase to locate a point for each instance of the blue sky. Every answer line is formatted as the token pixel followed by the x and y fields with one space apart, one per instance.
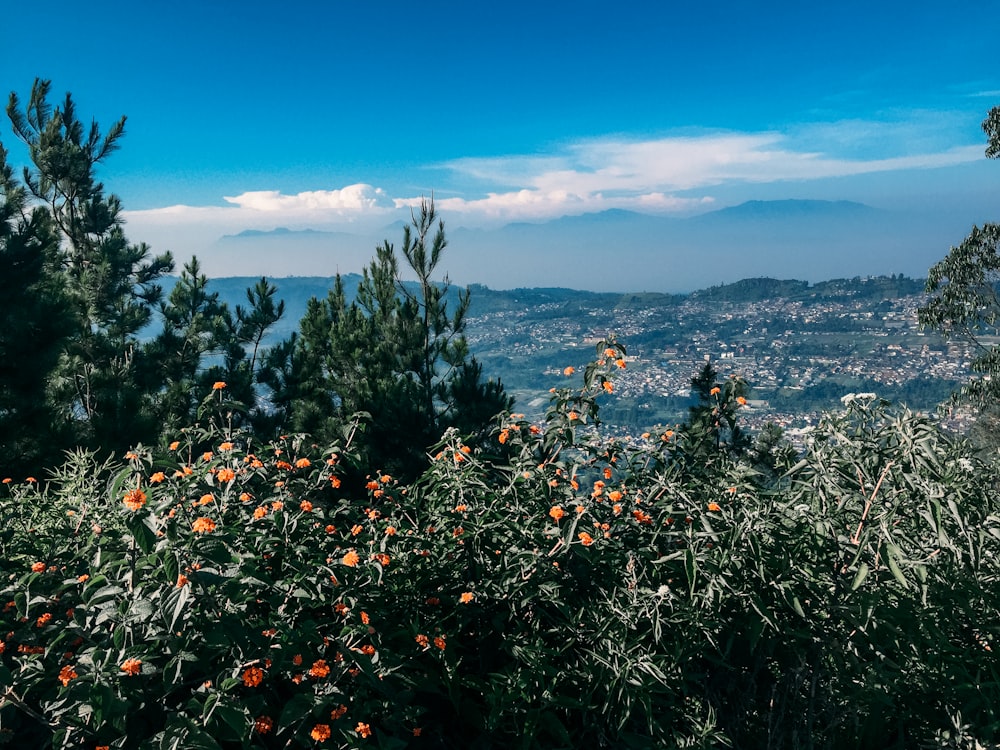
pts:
pixel 332 115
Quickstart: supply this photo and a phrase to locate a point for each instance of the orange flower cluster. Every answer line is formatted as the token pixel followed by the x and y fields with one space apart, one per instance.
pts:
pixel 466 597
pixel 225 475
pixel 556 512
pixel 585 539
pixel 338 712
pixel 131 667
pixel 263 724
pixel 203 525
pixel 253 676
pixel 37 567
pixel 320 732
pixel 67 674
pixel 363 729
pixel 351 559
pixel 319 669
pixel 134 499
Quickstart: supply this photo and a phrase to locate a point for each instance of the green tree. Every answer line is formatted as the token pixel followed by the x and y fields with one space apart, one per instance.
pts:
pixel 111 283
pixel 397 353
pixel 34 320
pixel 965 304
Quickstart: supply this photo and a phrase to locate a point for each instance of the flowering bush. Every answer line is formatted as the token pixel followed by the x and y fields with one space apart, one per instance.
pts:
pixel 551 588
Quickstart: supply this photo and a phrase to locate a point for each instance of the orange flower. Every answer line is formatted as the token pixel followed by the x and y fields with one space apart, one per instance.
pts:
pixel 608 386
pixel 715 391
pixel 502 437
pixel 37 567
pixel 641 517
pixel 218 385
pixel 225 475
pixel 620 363
pixel 609 352
pixel 569 371
pixel 134 499
pixel 351 559
pixel 303 463
pixel 615 496
pixel 390 531
pixel 207 456
pixel 363 729
pixel 245 497
pixel 556 512
pixel 175 445
pixel 157 477
pixel 466 597
pixel 305 506
pixel 714 506
pixel 741 401
pixel 259 512
pixel 338 712
pixel 263 724
pixel 205 499
pixel 417 731
pixel 203 525
pixel 573 416
pixel 182 581
pixel 422 640
pixel 66 674
pixel 253 676
pixel 335 482
pixel 131 667
pixel 382 558
pixel 320 732
pixel 440 643
pixel 319 669
pixel 83 578
pixel 585 539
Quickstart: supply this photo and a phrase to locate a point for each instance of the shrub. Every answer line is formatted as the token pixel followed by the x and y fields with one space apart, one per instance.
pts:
pixel 549 588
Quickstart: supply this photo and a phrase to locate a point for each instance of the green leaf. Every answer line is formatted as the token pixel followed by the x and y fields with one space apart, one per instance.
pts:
pixel 860 576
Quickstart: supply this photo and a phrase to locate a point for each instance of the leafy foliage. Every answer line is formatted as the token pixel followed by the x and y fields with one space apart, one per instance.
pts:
pixel 550 587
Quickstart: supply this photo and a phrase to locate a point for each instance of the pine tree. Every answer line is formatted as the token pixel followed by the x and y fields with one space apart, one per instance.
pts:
pixel 396 354
pixel 34 320
pixel 111 284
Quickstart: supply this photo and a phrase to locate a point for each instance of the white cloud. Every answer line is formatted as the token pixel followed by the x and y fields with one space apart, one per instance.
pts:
pixel 351 199
pixel 672 174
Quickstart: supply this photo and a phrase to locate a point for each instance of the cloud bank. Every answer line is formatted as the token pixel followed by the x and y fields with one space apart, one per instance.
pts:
pixel 675 174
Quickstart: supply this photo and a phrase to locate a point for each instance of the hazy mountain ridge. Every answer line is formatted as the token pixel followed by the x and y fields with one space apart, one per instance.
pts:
pixel 805 239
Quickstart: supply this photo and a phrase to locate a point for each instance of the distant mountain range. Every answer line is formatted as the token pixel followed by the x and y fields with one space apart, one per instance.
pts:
pixel 620 250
